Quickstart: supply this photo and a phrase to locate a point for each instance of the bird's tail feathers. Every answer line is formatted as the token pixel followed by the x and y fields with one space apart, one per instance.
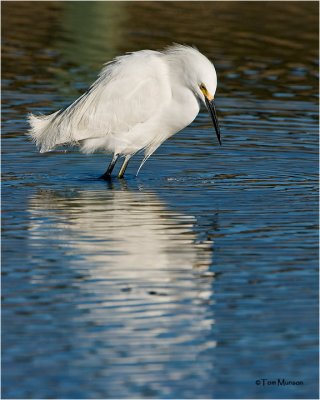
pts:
pixel 39 131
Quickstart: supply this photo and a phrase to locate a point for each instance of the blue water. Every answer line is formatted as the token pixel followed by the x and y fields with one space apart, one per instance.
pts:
pixel 198 277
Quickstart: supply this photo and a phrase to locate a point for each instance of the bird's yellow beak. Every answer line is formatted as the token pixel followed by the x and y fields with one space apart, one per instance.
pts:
pixel 212 110
pixel 206 94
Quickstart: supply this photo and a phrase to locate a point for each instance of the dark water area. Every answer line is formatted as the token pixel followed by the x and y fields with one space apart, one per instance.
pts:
pixel 198 277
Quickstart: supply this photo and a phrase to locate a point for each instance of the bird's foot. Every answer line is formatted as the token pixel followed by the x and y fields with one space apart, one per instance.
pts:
pixel 106 177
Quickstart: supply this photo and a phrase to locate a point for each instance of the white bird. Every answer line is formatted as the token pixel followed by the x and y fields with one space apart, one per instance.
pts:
pixel 138 101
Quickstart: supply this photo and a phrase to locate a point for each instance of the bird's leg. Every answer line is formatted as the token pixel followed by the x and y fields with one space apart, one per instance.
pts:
pixel 124 166
pixel 107 174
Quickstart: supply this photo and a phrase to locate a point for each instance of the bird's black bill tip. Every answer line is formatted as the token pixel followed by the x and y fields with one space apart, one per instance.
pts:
pixel 213 114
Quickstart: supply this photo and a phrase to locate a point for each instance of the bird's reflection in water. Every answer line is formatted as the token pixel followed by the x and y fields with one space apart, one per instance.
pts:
pixel 144 300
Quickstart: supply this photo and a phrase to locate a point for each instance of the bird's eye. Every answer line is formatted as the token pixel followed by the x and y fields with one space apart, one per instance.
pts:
pixel 203 89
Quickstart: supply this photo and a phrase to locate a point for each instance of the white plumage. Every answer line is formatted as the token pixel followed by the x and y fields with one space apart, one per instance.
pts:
pixel 138 101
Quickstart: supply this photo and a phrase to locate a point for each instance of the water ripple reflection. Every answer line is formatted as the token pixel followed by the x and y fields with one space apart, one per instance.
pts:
pixel 197 277
pixel 142 276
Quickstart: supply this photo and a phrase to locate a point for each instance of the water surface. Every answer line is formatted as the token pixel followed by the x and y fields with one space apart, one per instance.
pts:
pixel 197 277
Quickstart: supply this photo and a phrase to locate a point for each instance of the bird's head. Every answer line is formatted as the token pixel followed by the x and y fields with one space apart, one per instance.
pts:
pixel 199 75
pixel 205 86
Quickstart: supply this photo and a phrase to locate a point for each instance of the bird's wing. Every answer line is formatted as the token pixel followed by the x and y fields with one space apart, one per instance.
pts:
pixel 128 91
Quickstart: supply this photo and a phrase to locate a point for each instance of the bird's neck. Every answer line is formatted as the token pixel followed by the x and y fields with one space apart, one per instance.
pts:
pixel 180 78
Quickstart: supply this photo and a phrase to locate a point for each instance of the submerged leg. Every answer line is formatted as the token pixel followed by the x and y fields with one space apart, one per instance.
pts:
pixel 124 166
pixel 107 174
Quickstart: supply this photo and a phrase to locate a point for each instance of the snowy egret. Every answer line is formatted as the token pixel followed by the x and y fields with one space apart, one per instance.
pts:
pixel 138 101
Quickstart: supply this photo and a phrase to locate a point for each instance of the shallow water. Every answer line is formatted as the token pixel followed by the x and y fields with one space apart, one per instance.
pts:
pixel 196 278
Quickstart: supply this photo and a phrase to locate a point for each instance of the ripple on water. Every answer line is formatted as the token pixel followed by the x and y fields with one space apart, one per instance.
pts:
pixel 200 271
